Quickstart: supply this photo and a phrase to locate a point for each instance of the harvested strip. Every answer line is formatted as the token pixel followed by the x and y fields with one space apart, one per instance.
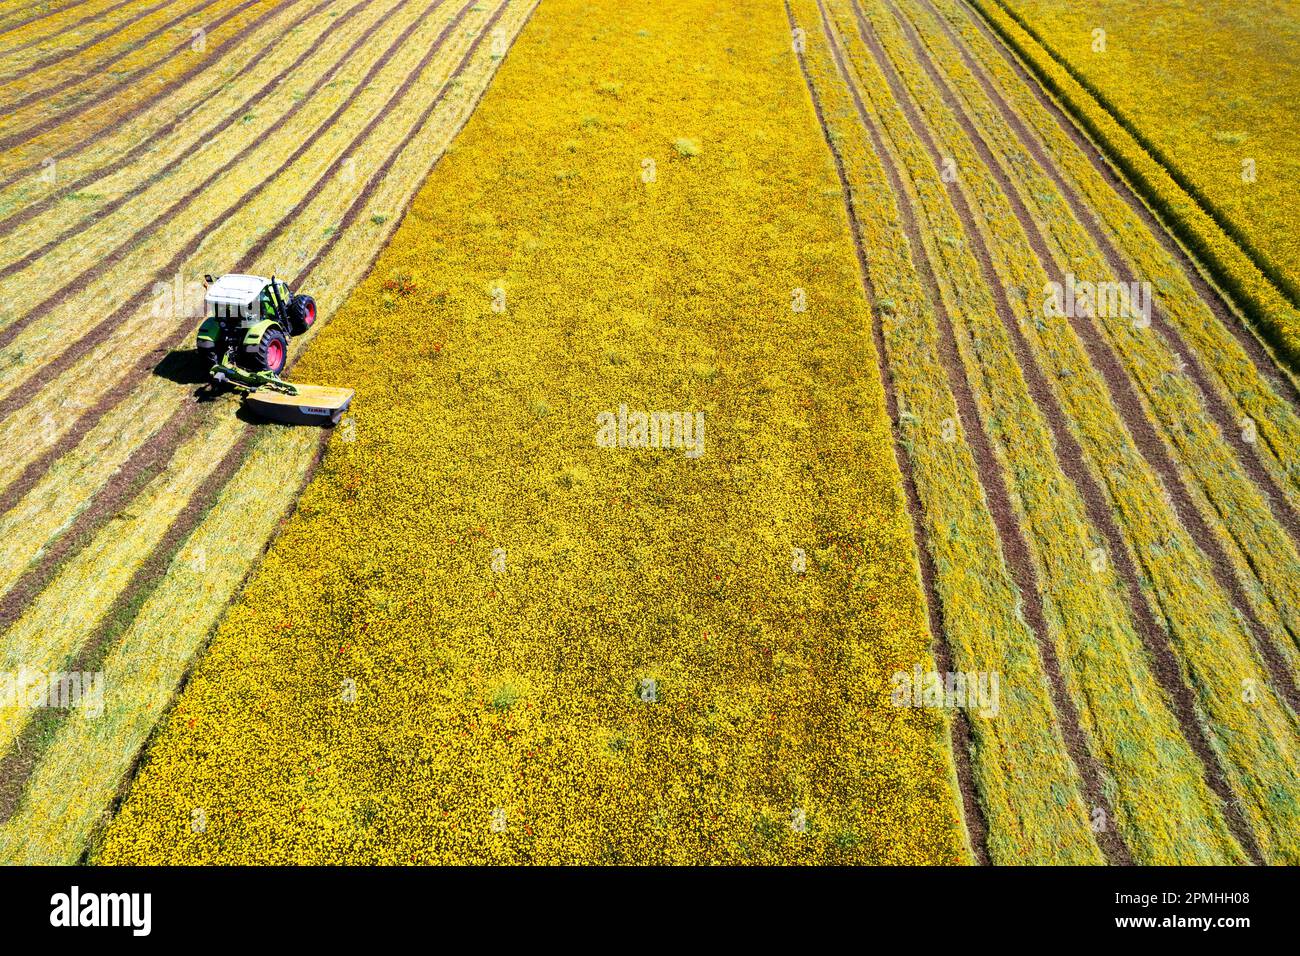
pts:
pixel 1014 545
pixel 1233 382
pixel 54 820
pixel 59 622
pixel 1242 517
pixel 201 208
pixel 39 125
pixel 1272 315
pixel 43 15
pixel 75 147
pixel 22 245
pixel 70 25
pixel 1222 656
pixel 966 573
pixel 29 93
pixel 44 266
pixel 1265 395
pixel 64 52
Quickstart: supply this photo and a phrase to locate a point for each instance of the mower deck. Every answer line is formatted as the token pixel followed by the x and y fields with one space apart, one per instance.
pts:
pixel 312 405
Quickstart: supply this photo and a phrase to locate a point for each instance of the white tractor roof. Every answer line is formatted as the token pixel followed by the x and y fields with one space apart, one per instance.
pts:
pixel 236 289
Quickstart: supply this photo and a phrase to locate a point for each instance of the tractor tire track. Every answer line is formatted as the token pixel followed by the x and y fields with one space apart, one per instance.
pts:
pixel 1281 507
pixel 32 257
pixel 1123 394
pixel 64 115
pixel 959 728
pixel 98 69
pixel 27 213
pixel 66 54
pixel 1269 368
pixel 1072 462
pixel 1015 546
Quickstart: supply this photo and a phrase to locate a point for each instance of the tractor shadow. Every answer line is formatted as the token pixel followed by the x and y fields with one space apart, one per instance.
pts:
pixel 186 367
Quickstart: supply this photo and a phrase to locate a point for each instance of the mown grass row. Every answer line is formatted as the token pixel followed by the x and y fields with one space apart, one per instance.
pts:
pixel 1190 448
pixel 1128 723
pixel 143 669
pixel 107 173
pixel 502 715
pixel 151 400
pixel 76 49
pixel 47 125
pixel 78 147
pixel 1027 786
pixel 1255 734
pixel 1252 285
pixel 1249 382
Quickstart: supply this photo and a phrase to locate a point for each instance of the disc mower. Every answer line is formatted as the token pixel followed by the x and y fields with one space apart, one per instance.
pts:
pixel 244 339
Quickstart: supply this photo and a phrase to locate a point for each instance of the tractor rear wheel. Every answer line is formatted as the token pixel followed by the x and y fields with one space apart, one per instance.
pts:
pixel 269 354
pixel 302 313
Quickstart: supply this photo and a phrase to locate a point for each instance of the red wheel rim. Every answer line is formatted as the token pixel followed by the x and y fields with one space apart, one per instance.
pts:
pixel 311 313
pixel 275 356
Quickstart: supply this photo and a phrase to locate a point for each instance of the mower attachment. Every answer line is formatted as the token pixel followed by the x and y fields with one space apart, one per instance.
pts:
pixel 308 405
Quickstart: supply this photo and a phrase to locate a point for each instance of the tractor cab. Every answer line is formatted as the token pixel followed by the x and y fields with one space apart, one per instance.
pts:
pixel 249 319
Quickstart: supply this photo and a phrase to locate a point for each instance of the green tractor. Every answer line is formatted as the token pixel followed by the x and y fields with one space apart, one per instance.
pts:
pixel 245 341
pixel 249 322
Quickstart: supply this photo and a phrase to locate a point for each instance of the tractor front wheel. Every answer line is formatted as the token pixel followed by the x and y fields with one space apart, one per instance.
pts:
pixel 302 313
pixel 269 354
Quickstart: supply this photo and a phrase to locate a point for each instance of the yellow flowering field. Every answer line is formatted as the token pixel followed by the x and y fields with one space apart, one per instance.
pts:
pixel 483 636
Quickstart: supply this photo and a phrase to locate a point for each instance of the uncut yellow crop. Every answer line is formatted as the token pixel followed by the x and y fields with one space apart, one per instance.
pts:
pixel 445 656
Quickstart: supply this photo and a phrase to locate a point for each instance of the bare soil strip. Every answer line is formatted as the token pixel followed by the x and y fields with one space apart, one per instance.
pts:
pixel 1123 394
pixel 1070 456
pixel 959 726
pixel 1014 544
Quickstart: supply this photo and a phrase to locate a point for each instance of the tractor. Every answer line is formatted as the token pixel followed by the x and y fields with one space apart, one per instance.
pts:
pixel 244 339
pixel 249 321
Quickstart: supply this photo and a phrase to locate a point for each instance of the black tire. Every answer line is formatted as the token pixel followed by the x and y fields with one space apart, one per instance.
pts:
pixel 212 352
pixel 268 355
pixel 302 313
